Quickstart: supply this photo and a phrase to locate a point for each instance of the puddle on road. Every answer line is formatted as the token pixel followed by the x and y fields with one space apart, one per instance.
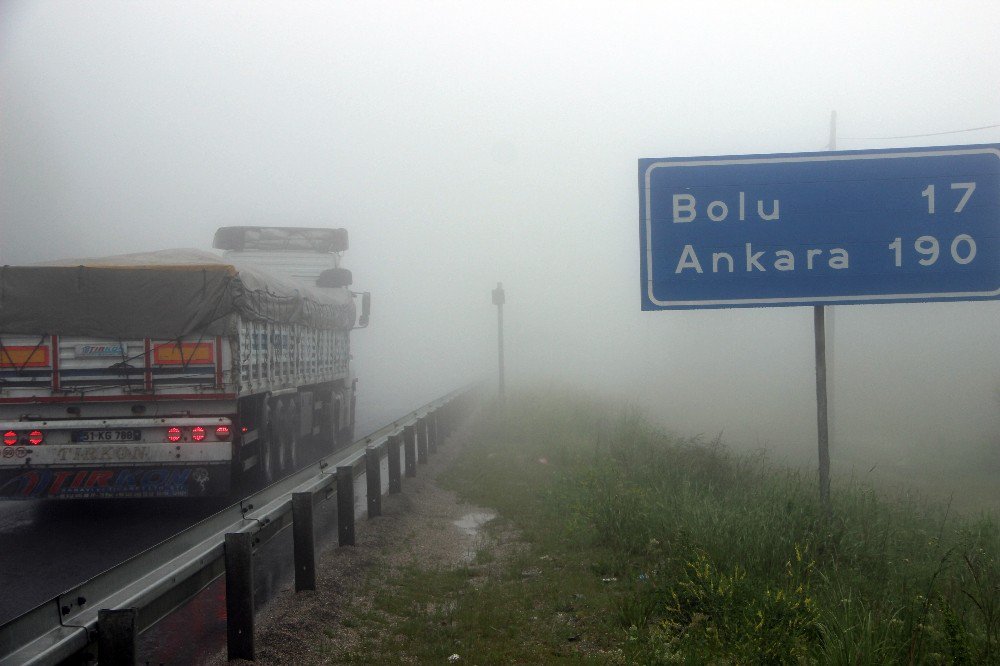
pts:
pixel 470 523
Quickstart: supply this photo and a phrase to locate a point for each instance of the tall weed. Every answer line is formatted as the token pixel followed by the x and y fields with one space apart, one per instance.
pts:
pixel 726 558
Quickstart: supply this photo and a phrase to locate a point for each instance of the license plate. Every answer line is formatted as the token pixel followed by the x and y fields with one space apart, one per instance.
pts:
pixel 111 435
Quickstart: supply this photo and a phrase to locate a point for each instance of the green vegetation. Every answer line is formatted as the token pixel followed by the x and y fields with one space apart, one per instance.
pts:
pixel 643 548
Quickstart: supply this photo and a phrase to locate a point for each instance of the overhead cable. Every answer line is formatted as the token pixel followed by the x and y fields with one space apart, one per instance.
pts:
pixel 916 136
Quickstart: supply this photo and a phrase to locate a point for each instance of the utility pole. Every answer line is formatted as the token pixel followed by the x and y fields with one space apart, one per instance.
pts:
pixel 498 300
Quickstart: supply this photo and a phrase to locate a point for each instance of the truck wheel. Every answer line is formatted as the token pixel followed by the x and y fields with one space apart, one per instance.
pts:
pixel 265 444
pixel 331 439
pixel 323 418
pixel 279 444
pixel 346 436
pixel 291 435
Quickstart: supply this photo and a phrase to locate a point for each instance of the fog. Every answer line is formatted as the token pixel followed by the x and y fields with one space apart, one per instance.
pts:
pixel 463 144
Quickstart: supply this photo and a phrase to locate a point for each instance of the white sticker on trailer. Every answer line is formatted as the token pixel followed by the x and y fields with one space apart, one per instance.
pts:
pixel 92 351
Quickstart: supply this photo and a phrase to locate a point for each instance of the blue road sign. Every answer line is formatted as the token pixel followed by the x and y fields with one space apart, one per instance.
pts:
pixel 871 226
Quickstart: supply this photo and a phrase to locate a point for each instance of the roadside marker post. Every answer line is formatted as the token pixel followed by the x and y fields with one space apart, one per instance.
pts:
pixel 239 596
pixel 432 432
pixel 303 541
pixel 422 440
pixel 373 481
pixel 117 632
pixel 345 505
pixel 409 450
pixel 395 481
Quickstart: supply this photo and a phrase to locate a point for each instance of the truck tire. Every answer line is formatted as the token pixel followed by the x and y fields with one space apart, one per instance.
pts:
pixel 265 444
pixel 331 421
pixel 291 435
pixel 279 445
pixel 346 436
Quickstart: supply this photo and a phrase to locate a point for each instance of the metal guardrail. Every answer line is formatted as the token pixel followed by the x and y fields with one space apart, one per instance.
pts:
pixel 109 611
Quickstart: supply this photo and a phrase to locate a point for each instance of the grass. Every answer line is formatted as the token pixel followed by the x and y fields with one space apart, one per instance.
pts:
pixel 644 548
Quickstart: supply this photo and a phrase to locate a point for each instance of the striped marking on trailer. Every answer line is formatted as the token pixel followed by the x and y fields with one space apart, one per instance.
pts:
pixel 188 353
pixel 24 356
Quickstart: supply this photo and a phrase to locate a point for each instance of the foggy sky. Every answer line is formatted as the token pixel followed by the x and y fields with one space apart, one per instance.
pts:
pixel 462 143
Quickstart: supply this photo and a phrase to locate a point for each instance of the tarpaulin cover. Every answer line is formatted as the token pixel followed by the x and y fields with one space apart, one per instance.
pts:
pixel 167 294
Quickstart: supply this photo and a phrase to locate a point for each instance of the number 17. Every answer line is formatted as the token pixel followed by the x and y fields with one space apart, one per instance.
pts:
pixel 969 188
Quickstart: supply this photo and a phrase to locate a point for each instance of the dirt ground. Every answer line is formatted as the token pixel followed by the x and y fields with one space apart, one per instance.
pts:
pixel 425 526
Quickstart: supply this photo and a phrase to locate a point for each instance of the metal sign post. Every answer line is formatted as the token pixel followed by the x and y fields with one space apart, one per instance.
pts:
pixel 822 420
pixel 499 298
pixel 822 393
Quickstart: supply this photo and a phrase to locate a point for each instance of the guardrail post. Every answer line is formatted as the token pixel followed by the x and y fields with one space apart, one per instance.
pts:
pixel 303 541
pixel 373 482
pixel 422 440
pixel 432 431
pixel 409 448
pixel 345 505
pixel 446 417
pixel 239 596
pixel 116 636
pixel 395 480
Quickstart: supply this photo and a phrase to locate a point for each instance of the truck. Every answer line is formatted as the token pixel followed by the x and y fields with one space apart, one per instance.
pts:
pixel 177 373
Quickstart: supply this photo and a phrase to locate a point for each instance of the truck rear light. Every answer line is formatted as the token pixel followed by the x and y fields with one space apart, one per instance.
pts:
pixel 174 434
pixel 9 438
pixel 36 437
pixel 222 432
pixel 197 433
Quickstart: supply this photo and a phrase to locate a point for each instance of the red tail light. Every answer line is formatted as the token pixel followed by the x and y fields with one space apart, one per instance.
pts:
pixel 197 433
pixel 36 437
pixel 9 438
pixel 222 432
pixel 174 434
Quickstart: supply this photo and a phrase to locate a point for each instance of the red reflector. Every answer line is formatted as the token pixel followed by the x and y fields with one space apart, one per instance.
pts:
pixel 36 437
pixel 197 433
pixel 174 434
pixel 9 438
pixel 222 432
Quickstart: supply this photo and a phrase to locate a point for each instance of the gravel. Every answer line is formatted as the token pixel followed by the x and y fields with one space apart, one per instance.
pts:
pixel 426 526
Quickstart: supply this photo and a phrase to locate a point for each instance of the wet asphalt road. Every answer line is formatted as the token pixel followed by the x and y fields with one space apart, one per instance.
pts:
pixel 48 547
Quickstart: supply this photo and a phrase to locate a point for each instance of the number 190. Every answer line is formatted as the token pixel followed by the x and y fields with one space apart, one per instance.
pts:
pixel 963 250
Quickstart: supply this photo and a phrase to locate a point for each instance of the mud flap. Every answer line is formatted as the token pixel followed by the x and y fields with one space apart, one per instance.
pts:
pixel 87 483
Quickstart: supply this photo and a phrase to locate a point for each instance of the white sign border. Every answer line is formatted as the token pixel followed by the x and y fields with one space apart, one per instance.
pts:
pixel 800 300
